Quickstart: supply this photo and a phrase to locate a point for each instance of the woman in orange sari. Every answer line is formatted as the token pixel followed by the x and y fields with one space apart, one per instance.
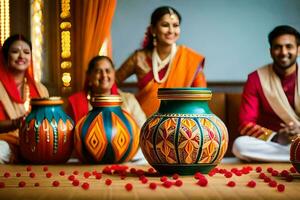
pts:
pixel 17 87
pixel 161 63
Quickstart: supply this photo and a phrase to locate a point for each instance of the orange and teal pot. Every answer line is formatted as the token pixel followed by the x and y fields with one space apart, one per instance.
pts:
pixel 107 134
pixel 184 136
pixel 46 137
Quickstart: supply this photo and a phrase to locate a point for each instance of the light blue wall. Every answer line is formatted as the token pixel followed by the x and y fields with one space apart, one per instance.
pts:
pixel 232 34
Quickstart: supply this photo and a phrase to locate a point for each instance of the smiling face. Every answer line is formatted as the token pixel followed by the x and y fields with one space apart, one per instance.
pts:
pixel 167 30
pixel 284 51
pixel 102 77
pixel 19 56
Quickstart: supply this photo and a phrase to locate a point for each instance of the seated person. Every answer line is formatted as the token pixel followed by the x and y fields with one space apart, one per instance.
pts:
pixel 270 107
pixel 17 87
pixel 100 79
pixel 161 63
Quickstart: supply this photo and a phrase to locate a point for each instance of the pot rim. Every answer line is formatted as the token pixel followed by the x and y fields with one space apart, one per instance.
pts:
pixel 192 93
pixel 54 100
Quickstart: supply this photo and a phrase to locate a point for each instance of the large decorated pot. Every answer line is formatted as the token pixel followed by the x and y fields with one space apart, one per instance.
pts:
pixel 46 137
pixel 184 136
pixel 107 134
pixel 295 153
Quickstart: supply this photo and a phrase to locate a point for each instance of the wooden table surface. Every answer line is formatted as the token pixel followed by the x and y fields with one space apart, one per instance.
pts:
pixel 216 188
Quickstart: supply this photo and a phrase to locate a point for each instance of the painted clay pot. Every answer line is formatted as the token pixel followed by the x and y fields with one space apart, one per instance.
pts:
pixel 295 153
pixel 184 136
pixel 107 134
pixel 46 137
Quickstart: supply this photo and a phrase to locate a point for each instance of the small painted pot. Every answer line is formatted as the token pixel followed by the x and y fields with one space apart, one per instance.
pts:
pixel 184 136
pixel 46 137
pixel 295 153
pixel 107 134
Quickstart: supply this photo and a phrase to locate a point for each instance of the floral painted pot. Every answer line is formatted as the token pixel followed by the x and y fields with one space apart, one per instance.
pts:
pixel 184 136
pixel 295 153
pixel 107 134
pixel 46 137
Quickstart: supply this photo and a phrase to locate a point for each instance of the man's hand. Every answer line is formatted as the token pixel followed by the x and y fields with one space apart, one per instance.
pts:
pixel 287 133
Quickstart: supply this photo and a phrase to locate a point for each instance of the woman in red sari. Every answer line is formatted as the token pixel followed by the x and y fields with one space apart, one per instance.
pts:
pixel 17 87
pixel 161 63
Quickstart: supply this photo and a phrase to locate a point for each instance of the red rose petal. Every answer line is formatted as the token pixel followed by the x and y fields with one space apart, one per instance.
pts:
pixel 163 178
pixel 6 175
pixel 48 174
pixel 152 186
pixel 269 169
pixel 262 175
pixel 228 174
pixel 86 174
pixel 85 185
pixel 167 184
pixel 280 187
pixel 178 183
pixel 29 168
pixel 231 184
pixel 258 169
pixel 45 168
pixel 108 181
pixel 71 177
pixel 251 184
pixel 175 176
pixel 36 184
pixel 151 170
pixel 293 170
pixel 75 182
pixel 2 185
pixel 32 175
pixel 238 173
pixel 98 176
pixel 128 186
pixel 75 172
pixel 55 183
pixel 144 180
pixel 62 173
pixel 272 183
pixel 275 173
pixel 284 173
pixel 233 170
pixel 198 175
pixel 202 182
pixel 132 170
pixel 18 174
pixel 22 184
pixel 267 179
pixel 140 172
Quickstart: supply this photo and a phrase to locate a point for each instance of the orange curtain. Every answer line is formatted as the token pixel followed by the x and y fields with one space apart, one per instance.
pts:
pixel 92 21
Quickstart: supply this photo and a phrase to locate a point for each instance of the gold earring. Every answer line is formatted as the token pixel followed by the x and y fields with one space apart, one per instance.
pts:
pixel 154 40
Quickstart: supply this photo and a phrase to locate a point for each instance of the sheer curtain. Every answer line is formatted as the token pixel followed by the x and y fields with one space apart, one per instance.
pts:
pixel 92 24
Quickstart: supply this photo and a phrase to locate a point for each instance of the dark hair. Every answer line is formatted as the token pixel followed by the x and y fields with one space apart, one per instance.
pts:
pixel 94 61
pixel 283 30
pixel 10 40
pixel 157 14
